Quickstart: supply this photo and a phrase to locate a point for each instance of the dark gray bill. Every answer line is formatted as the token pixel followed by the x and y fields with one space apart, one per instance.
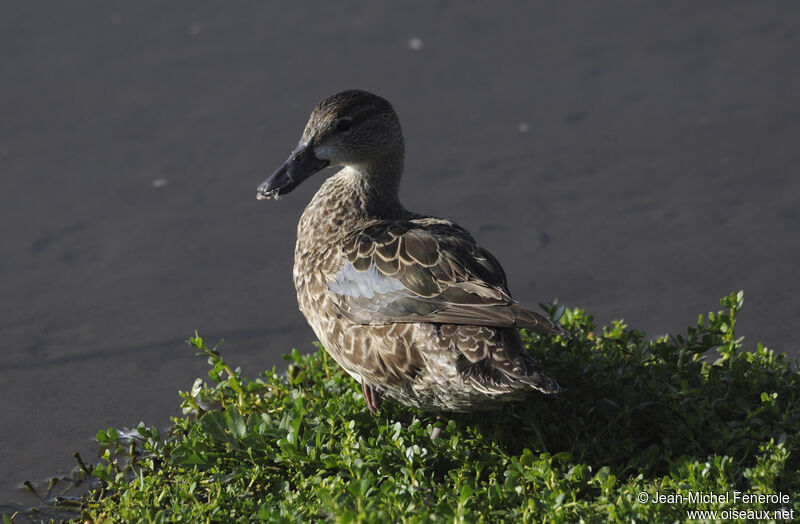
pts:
pixel 300 165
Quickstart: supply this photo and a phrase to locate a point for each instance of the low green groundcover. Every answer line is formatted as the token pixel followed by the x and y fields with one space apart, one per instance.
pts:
pixel 645 430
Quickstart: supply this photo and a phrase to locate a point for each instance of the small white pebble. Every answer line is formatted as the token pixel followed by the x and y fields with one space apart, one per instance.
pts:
pixel 160 182
pixel 523 127
pixel 415 44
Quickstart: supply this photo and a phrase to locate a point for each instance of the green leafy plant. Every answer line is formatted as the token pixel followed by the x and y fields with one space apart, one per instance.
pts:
pixel 638 419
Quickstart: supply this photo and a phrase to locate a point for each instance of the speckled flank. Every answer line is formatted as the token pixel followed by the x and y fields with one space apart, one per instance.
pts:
pixel 408 305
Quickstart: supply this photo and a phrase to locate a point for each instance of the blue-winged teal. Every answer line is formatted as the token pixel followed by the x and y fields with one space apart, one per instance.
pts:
pixel 409 305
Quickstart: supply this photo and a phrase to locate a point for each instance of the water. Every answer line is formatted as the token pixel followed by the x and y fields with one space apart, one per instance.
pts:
pixel 636 160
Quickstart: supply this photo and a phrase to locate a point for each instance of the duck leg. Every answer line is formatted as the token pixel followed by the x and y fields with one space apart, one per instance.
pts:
pixel 372 397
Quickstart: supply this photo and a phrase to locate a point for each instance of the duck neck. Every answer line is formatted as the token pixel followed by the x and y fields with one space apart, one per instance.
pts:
pixel 379 186
pixel 351 196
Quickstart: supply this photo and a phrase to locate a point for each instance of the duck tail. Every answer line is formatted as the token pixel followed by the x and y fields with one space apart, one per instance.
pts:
pixel 509 370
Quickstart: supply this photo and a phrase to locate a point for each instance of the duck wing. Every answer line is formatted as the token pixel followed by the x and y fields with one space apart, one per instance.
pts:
pixel 425 270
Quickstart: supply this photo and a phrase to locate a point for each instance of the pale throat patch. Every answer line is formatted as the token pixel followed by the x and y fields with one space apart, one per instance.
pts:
pixel 323 152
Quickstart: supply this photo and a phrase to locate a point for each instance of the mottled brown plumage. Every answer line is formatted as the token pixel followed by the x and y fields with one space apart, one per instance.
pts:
pixel 409 305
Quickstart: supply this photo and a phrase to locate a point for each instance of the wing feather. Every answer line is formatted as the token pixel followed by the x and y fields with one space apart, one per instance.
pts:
pixel 425 270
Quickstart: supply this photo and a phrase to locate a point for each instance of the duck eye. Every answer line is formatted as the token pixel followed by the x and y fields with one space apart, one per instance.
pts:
pixel 343 125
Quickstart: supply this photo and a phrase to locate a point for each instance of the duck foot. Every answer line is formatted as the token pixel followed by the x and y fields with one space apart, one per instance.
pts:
pixel 372 397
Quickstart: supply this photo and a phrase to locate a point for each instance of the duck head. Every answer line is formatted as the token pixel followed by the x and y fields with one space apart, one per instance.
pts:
pixel 352 128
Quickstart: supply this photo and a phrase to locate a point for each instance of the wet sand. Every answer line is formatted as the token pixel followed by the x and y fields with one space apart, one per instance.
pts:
pixel 637 160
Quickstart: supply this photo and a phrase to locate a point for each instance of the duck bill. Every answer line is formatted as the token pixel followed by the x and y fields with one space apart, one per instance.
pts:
pixel 300 165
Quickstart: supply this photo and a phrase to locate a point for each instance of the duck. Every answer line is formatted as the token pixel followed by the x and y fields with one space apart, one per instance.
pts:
pixel 409 305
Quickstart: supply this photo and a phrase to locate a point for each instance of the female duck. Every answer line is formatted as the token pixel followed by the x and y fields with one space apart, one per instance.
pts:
pixel 409 305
